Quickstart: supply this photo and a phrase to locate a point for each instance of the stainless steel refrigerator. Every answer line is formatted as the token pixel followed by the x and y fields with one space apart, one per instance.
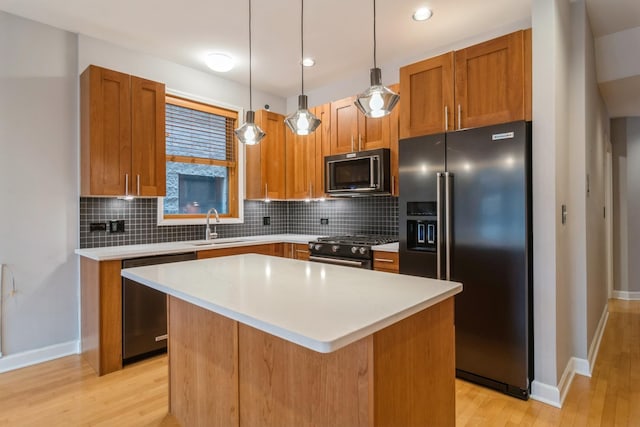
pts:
pixel 465 215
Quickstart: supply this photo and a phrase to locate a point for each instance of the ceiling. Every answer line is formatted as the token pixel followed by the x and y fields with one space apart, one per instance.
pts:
pixel 338 34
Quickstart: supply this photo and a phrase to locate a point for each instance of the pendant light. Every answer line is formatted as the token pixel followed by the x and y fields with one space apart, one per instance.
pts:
pixel 302 122
pixel 377 100
pixel 250 133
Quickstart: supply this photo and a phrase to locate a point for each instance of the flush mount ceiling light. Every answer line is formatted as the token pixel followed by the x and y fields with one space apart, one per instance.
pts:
pixel 422 14
pixel 220 62
pixel 249 133
pixel 308 62
pixel 377 100
pixel 302 122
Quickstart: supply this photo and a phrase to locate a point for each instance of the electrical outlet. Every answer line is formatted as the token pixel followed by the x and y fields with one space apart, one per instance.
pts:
pixel 266 220
pixel 116 226
pixel 98 226
pixel 324 221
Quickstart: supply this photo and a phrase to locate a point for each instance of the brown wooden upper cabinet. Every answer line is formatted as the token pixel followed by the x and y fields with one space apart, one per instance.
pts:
pixel 122 134
pixel 484 84
pixel 265 162
pixel 305 159
pixel 352 131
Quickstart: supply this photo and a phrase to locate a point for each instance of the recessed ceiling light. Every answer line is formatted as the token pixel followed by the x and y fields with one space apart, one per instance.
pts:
pixel 220 62
pixel 422 14
pixel 308 62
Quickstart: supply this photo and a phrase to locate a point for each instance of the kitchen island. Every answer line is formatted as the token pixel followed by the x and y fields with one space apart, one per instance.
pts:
pixel 256 340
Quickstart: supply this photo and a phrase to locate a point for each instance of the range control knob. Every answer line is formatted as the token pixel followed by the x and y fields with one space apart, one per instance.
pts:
pixel 310 245
pixel 354 249
pixel 363 250
pixel 335 248
pixel 317 247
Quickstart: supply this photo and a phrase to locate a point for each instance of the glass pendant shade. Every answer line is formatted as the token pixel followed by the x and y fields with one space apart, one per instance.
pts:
pixel 302 122
pixel 377 100
pixel 249 133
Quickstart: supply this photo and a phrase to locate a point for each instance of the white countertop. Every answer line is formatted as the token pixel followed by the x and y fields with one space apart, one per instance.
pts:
pixel 387 247
pixel 134 251
pixel 319 306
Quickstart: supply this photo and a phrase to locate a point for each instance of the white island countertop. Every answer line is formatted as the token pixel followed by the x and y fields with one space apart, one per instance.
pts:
pixel 319 306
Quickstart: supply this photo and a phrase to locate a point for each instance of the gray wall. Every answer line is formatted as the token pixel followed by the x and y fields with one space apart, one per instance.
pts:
pixel 38 184
pixel 625 138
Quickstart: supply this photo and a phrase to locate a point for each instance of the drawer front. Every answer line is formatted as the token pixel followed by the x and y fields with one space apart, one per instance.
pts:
pixel 386 261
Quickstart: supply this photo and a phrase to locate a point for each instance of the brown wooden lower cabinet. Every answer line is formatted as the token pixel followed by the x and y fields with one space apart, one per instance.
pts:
pixel 296 251
pixel 101 314
pixel 274 249
pixel 226 373
pixel 386 261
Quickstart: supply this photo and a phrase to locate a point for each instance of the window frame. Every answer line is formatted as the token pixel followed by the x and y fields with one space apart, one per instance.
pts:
pixel 216 107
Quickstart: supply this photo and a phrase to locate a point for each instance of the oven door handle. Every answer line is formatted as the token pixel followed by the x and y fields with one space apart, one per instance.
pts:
pixel 336 261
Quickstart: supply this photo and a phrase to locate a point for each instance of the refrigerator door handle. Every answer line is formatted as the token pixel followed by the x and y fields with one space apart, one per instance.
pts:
pixel 438 228
pixel 447 189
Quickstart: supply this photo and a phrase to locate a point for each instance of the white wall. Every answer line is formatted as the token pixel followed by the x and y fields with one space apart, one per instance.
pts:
pixel 587 228
pixel 38 186
pixel 596 139
pixel 625 138
pixel 174 76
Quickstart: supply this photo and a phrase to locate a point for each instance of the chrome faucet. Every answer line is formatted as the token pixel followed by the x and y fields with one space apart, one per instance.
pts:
pixel 208 235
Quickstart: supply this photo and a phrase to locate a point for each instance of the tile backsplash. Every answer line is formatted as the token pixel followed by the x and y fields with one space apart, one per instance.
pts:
pixel 364 215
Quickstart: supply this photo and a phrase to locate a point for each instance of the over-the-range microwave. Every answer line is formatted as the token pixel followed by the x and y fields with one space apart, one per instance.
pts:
pixel 358 174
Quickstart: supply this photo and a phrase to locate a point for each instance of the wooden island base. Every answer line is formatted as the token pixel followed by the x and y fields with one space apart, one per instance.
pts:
pixel 224 373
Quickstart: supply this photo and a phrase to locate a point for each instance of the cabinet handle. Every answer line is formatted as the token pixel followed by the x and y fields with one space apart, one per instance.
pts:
pixel 393 184
pixel 352 143
pixel 300 251
pixel 459 117
pixel 126 184
pixel 384 260
pixel 310 190
pixel 359 142
pixel 446 118
pixel 266 192
pixel 138 183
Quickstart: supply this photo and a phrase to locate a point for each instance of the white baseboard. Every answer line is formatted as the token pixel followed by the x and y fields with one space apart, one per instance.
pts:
pixel 32 357
pixel 594 349
pixel 555 396
pixel 545 393
pixel 627 295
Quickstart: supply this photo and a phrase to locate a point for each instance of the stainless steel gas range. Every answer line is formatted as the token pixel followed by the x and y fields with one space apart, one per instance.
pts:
pixel 351 250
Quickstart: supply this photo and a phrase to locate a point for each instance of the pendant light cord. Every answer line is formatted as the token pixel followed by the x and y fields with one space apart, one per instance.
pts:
pixel 250 94
pixel 302 44
pixel 374 35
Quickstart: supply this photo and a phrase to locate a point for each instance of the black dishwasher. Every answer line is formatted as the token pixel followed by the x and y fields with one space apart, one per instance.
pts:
pixel 144 311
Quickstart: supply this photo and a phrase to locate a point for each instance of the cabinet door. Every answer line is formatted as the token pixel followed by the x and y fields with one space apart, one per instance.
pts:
pixel 373 133
pixel 490 82
pixel 426 104
pixel 148 160
pixel 105 112
pixel 301 150
pixel 269 154
pixel 344 126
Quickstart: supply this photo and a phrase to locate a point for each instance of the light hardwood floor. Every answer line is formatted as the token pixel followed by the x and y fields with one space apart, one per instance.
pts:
pixel 66 392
